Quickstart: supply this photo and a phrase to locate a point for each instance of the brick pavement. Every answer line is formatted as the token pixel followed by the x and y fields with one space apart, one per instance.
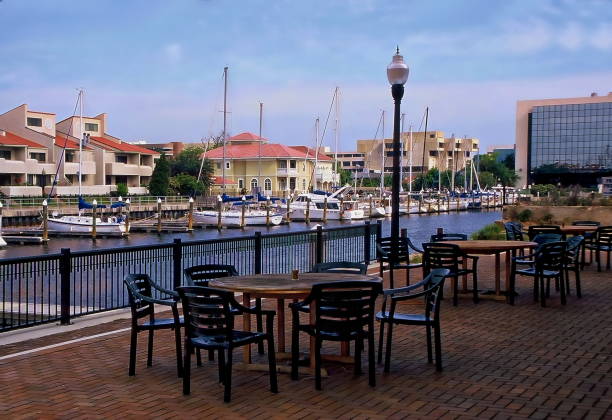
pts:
pixel 499 362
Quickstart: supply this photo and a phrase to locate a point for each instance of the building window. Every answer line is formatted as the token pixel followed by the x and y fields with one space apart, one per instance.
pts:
pixel 121 159
pixel 5 154
pixel 292 164
pixel 254 184
pixel 282 164
pixel 218 164
pixel 240 184
pixel 345 163
pixel 304 184
pixel 91 127
pixel 227 165
pixel 34 122
pixel 69 157
pixel 268 184
pixel 40 157
pixel 433 153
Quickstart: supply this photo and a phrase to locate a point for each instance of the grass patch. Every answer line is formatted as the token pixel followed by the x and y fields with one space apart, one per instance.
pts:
pixel 492 231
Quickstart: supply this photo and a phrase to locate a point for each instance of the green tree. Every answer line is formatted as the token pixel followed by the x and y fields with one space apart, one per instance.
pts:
pixel 122 190
pixel 185 184
pixel 188 161
pixel 160 178
pixel 487 180
pixel 345 176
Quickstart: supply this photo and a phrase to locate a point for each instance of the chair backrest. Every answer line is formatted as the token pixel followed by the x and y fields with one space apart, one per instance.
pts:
pixel 386 245
pixel 543 238
pixel 603 235
pixel 537 229
pixel 574 245
pixel 139 285
pixel 200 275
pixel 551 256
pixel 207 311
pixel 585 223
pixel 441 255
pixel 514 231
pixel 344 307
pixel 433 293
pixel 344 267
pixel 448 237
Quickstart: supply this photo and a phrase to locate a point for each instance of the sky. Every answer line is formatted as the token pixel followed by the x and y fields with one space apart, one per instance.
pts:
pixel 155 67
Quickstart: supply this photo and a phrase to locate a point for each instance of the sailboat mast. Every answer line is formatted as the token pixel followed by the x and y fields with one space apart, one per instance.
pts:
pixel 402 154
pixel 259 148
pixel 424 144
pixel 454 143
pixel 81 141
pixel 316 153
pixel 337 99
pixel 471 173
pixel 410 162
pixel 382 153
pixel 224 127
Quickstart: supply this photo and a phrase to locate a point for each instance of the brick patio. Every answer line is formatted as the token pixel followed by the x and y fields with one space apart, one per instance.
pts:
pixel 499 361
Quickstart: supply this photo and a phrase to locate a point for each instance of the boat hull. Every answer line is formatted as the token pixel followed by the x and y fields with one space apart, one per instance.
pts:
pixel 79 224
pixel 234 218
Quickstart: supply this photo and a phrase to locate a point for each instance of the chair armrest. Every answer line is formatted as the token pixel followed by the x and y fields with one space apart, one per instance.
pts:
pixel 413 246
pixel 166 302
pixel 408 297
pixel 172 293
pixel 391 292
pixel 245 309
pixel 381 252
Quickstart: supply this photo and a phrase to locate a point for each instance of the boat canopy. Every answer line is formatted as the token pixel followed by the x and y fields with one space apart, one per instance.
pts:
pixel 85 205
pixel 229 199
pixel 117 204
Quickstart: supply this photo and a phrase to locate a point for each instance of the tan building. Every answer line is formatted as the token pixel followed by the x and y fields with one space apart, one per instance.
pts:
pixel 430 150
pixel 170 149
pixel 252 163
pixel 566 141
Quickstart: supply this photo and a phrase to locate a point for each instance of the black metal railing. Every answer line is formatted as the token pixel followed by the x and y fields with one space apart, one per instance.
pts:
pixel 61 286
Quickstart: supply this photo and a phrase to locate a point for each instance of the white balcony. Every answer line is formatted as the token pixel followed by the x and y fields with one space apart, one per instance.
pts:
pixel 29 166
pixel 286 172
pixel 72 168
pixel 116 168
pixel 21 191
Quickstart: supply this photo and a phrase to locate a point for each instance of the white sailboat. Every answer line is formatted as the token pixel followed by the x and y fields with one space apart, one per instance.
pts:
pixel 234 217
pixel 321 207
pixel 82 223
pixel 2 241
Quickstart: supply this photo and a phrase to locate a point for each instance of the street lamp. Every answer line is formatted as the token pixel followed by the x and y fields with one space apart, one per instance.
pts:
pixel 397 73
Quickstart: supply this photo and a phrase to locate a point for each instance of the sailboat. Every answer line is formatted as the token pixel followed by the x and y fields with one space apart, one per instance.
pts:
pixel 315 205
pixel 234 216
pixel 81 223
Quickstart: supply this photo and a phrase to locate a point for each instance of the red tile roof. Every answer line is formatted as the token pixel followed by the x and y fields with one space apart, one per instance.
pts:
pixel 312 152
pixel 122 146
pixel 217 180
pixel 245 151
pixel 10 139
pixel 246 136
pixel 65 142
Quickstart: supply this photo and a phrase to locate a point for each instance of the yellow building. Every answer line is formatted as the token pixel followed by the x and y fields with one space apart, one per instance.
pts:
pixel 253 164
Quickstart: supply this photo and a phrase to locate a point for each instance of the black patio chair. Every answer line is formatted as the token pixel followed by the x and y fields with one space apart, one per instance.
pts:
pixel 209 325
pixel 430 289
pixel 443 255
pixel 142 305
pixel 549 263
pixel 588 238
pixel 540 239
pixel 575 245
pixel 538 229
pixel 200 275
pixel 514 231
pixel 400 261
pixel 602 242
pixel 344 311
pixel 343 267
pixel 439 237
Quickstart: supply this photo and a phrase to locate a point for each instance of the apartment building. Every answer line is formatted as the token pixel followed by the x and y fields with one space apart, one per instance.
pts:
pixel 429 150
pixel 252 164
pixel 351 161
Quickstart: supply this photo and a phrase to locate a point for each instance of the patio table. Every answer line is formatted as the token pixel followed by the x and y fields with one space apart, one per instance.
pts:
pixel 494 247
pixel 281 287
pixel 577 230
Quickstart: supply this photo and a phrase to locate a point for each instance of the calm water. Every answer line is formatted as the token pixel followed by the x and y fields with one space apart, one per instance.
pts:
pixel 420 228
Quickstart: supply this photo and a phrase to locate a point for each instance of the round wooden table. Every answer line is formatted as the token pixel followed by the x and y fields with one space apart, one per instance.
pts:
pixel 279 287
pixel 577 230
pixel 494 247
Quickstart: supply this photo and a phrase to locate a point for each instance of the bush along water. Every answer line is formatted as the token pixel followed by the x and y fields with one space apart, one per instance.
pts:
pixel 492 231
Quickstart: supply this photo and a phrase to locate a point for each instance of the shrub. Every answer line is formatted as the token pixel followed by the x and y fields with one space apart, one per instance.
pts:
pixel 122 190
pixel 547 218
pixel 492 231
pixel 511 213
pixel 525 215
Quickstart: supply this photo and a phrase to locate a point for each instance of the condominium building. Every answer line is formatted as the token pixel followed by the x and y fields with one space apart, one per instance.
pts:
pixel 566 141
pixel 429 150
pixel 352 161
pixel 251 163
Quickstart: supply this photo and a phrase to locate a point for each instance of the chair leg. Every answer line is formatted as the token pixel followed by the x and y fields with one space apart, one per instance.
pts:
pixel 408 274
pixel 318 363
pixel 221 365
pixel 227 380
pixel 429 347
pixel 381 335
pixel 578 286
pixel 272 364
pixel 199 356
pixel 536 289
pixel 133 343
pixel 150 349
pixel 187 369
pixel 562 287
pixel 388 349
pixel 391 270
pixel 475 286
pixel 259 323
pixel 455 284
pixel 511 292
pixel 438 341
pixel 568 290
pixel 542 292
pixel 357 356
pixel 211 357
pixel 295 349
pixel 608 263
pixel 179 355
pixel 598 258
pixel 371 364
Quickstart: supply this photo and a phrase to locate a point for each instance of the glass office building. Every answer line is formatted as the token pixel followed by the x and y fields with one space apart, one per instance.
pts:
pixel 570 143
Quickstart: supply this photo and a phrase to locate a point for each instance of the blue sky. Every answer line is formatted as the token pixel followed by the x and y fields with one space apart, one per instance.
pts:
pixel 155 66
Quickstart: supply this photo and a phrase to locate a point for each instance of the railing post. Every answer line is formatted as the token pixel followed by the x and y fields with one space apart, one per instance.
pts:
pixel 367 233
pixel 177 262
pixel 319 245
pixel 258 255
pixel 64 269
pixel 378 229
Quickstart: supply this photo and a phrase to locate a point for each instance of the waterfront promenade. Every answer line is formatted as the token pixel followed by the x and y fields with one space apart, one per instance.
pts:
pixel 500 361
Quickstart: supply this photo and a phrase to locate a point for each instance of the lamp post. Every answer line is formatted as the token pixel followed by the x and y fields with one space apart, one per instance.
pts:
pixel 397 74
